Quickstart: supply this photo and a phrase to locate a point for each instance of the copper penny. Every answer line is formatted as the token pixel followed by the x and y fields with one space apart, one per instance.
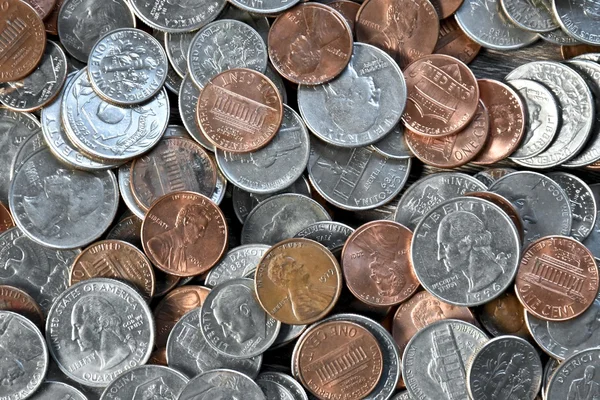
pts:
pixel 13 299
pixel 22 40
pixel 594 167
pixel 452 41
pixel 310 44
pixel 158 357
pixel 42 7
pixel 445 8
pixel 339 360
pixel 51 21
pixel 298 281
pixel 507 121
pixel 505 205
pixel 175 164
pixel 504 316
pixel 114 259
pixel 6 220
pixel 173 306
pixel 376 263
pixel 443 96
pixel 239 110
pixel 348 9
pixel 557 278
pixel 453 150
pixel 573 51
pixel 406 29
pixel 184 234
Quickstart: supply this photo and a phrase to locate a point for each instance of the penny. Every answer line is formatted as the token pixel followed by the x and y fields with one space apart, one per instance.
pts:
pixel 237 263
pixel 158 357
pixel 530 16
pixel 504 316
pixel 42 7
pixel 559 37
pixel 339 348
pixel 359 107
pixel 126 193
pixel 579 19
pixel 188 102
pixel 184 233
pixel 82 22
pixel 505 205
pixel 223 383
pixel 276 385
pixel 32 144
pixel 490 175
pixel 330 234
pixel 443 96
pixel 348 9
pixel 18 301
pixel 23 38
pixel 24 356
pixel 310 44
pixel 557 279
pixel 6 220
pixel 406 29
pixel 452 41
pixel 240 110
pixel 580 51
pixel 576 376
pixel 393 144
pixel 146 382
pixel 477 252
pixel 592 242
pixel 505 367
pixel 453 150
pixel 51 21
pixel 507 121
pixel 57 390
pixel 175 164
pixel 177 16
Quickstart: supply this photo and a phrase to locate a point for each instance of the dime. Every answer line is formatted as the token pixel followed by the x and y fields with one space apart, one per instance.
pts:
pixel 477 252
pixel 530 16
pixel 276 385
pixel 559 37
pixel 348 9
pixel 184 233
pixel 188 102
pixel 32 144
pixel 442 96
pixel 82 22
pixel 18 301
pixel 452 41
pixel 592 242
pixel 146 382
pixel 177 16
pixel 24 356
pixel 6 219
pixel 359 107
pixel 41 86
pixel 506 367
pixel 223 383
pixel 57 390
pixel 23 37
pixel 274 167
pixel 557 279
pixel 491 175
pixel 310 44
pixel 406 29
pixel 92 356
pixel 237 263
pixel 505 205
pixel 579 19
pixel 330 234
pixel 126 193
pixel 240 110
pixel 576 375
pixel 393 144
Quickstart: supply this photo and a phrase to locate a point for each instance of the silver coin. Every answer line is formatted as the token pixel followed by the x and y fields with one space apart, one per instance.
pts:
pixel 189 353
pixel 576 102
pixel 222 45
pixel 359 107
pixel 127 66
pixel 595 57
pixel 429 191
pixel 578 378
pixel 277 81
pixel 580 19
pixel 237 263
pixel 592 242
pixel 32 144
pixel 491 175
pixel 355 179
pixel 542 205
pixel 177 46
pixel 188 101
pixel 287 333
pixel 221 186
pixel 174 81
pixel 393 144
pixel 126 193
pixel 542 118
pixel 274 167
pixel 330 234
pixel 531 16
pixel 279 386
pixel 233 322
pixel 506 367
pixel 402 396
pixel 56 375
pixel 177 15
pixel 176 131
pixel 485 23
pixel 39 87
pixel 92 355
pixel 273 390
pixel 60 207
pixel 267 7
pixel 128 229
pixel 477 252
pixel 24 356
pixel 108 131
pixel 280 217
pixel 222 384
pixel 433 364
pixel 58 391
pixel 549 369
pixel 41 272
pixel 82 22
pixel 259 23
pixel 582 202
pixel 559 37
pixel 146 382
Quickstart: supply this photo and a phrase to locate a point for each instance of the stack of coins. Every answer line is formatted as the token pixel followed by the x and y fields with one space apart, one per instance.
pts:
pixel 192 192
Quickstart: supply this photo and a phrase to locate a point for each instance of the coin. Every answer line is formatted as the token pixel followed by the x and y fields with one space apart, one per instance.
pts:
pixel 477 252
pixel 582 51
pixel 41 7
pixel 146 382
pixel 535 17
pixel 6 220
pixel 223 383
pixel 592 242
pixel 177 16
pixel 557 279
pixel 359 107
pixel 18 301
pixel 177 46
pixel 348 9
pixel 393 144
pixel 579 19
pixel 505 367
pixel 330 234
pixel 442 96
pixel 184 233
pixel 57 390
pixel 51 21
pixel 128 229
pixel 276 385
pixel 549 369
pixel 260 23
pixel 452 41
pixel 404 395
pixel 310 44
pixel 577 375
pixel 406 29
pixel 505 205
pixel 237 263
pixel 32 144
pixel 559 37
pixel 126 193
pixel 188 102
pixel 491 175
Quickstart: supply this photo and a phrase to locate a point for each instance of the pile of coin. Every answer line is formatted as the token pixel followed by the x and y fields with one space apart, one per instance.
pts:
pixel 296 200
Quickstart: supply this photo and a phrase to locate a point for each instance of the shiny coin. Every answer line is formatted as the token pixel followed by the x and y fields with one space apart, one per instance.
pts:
pixel 579 19
pixel 188 102
pixel 177 16
pixel 549 369
pixel 177 46
pixel 530 16
pixel 57 390
pixel 269 7
pixel 18 301
pixel 452 41
pixel 505 205
pixel 330 234
pixel 6 219
pixel 576 377
pixel 404 395
pixel 560 38
pixel 491 175
pixel 146 382
pixel 32 144
pixel 504 316
pixel 592 242
pixel 348 9
pixel 237 263
pixel 393 144
pixel 258 22
pixel 126 193
pixel 223 383
pixel 276 385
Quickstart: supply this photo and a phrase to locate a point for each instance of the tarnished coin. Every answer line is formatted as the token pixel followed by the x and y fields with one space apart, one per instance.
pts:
pixel 18 301
pixel 506 367
pixel 276 385
pixel 224 384
pixel 6 220
pixel 557 279
pixel 237 263
pixel 184 233
pixel 330 234
pixel 560 38
pixel 576 377
pixel 477 251
pixel 128 229
pixel 51 20
pixel 393 144
pixel 504 316
pixel 359 107
pixel 490 175
pixel 82 22
pixel 32 144
pixel 24 356
pixel 177 46
pixel 530 16
pixel 41 86
pixel 59 207
pixel 348 9
pixel 57 390
pixel 452 41
pixel 92 355
pixel 435 360
pixel 579 18
pixel 505 205
pixel 404 395
pixel 581 52
pixel 310 44
pixel 277 81
pixel 592 242
pixel 442 95
pixel 177 15
pixel 146 382
pixel 549 369
pixel 188 102
pixel 23 38
pixel 42 7
pixel 126 193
